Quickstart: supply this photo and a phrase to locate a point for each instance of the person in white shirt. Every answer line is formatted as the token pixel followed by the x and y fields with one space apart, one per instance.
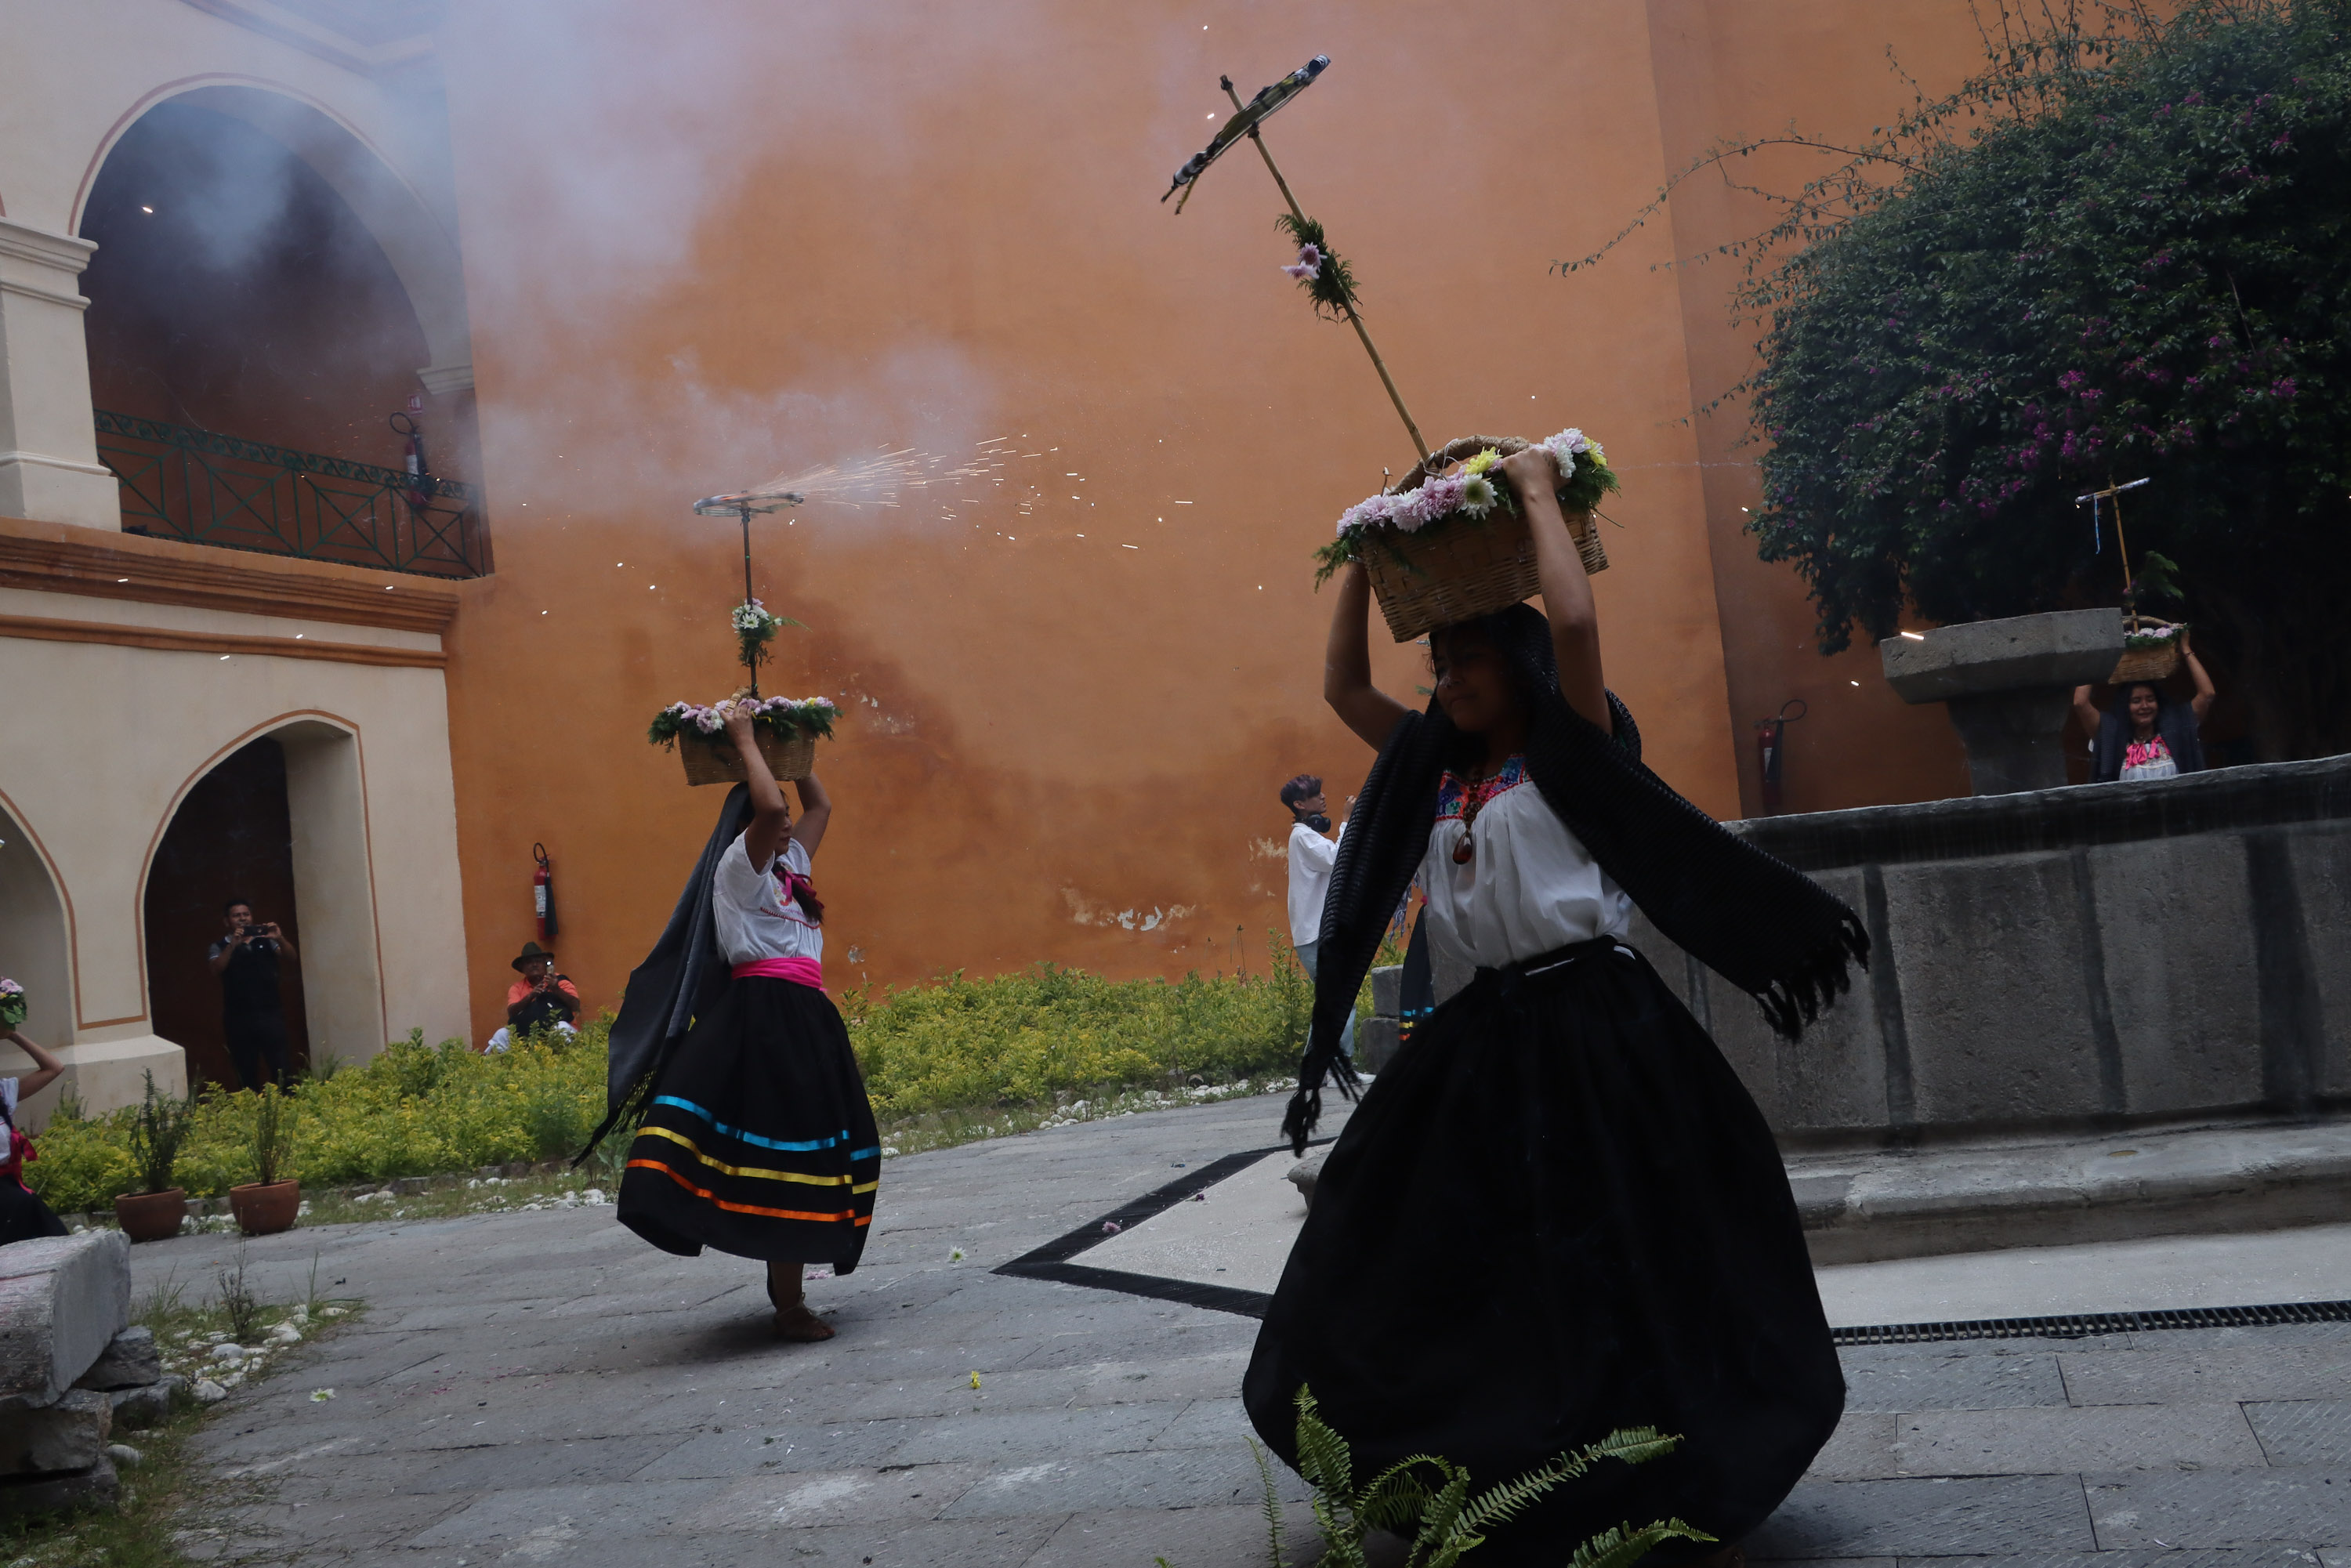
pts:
pixel 1618 1244
pixel 1312 855
pixel 757 1139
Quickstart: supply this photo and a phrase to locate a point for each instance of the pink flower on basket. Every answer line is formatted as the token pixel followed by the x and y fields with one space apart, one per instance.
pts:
pixel 1309 263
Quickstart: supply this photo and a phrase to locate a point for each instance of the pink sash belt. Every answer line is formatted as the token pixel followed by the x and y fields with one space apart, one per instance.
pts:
pixel 800 971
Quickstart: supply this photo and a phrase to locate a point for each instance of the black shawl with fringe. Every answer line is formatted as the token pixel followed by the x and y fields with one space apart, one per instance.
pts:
pixel 1759 923
pixel 680 977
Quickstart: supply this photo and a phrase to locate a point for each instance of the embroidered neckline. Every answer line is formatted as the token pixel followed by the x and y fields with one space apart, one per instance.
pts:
pixel 1454 792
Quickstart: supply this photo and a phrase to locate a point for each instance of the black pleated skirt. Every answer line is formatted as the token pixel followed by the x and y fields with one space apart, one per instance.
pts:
pixel 758 1141
pixel 1556 1214
pixel 23 1215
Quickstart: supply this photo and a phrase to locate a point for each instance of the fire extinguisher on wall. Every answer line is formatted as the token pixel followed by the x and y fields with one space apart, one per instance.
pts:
pixel 1771 748
pixel 542 892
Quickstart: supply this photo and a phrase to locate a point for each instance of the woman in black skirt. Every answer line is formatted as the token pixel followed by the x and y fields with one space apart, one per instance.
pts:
pixel 756 1138
pixel 1559 1212
pixel 23 1215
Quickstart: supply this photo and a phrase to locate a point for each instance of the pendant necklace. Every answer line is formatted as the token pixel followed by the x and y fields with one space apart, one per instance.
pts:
pixel 1472 802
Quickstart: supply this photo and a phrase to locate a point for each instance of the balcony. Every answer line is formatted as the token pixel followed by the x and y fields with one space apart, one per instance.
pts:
pixel 211 489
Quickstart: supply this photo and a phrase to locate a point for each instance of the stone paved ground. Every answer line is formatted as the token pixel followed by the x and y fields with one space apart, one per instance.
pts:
pixel 543 1388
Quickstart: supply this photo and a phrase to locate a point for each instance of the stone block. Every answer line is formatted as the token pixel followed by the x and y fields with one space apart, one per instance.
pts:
pixel 1832 1079
pixel 2176 938
pixel 2063 648
pixel 2205 1509
pixel 2321 857
pixel 136 1407
pixel 68 1434
pixel 1387 991
pixel 62 1300
pixel 36 1495
pixel 2051 1440
pixel 1376 1043
pixel 1990 957
pixel 1959 1517
pixel 131 1361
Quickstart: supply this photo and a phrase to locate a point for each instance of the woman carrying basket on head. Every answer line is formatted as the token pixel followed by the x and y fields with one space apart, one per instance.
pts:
pixel 1559 1213
pixel 756 1138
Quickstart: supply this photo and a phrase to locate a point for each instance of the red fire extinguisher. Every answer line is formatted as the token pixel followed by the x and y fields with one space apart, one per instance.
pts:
pixel 542 892
pixel 1771 746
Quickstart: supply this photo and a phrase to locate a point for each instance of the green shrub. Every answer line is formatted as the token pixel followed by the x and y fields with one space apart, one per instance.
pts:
pixel 961 1044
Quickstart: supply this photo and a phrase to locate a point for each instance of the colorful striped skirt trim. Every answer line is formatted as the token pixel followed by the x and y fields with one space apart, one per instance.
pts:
pixel 792 1170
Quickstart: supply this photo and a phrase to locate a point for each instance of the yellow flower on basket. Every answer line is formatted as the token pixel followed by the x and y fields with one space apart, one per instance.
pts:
pixel 1483 460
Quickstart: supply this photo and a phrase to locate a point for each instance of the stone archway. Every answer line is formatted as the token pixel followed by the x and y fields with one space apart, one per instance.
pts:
pixel 36 951
pixel 280 821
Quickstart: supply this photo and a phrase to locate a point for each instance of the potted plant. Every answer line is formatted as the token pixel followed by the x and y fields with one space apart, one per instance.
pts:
pixel 157 1130
pixel 265 1205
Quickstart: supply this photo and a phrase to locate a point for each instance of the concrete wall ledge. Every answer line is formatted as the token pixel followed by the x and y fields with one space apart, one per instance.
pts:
pixel 2119 1187
pixel 2094 956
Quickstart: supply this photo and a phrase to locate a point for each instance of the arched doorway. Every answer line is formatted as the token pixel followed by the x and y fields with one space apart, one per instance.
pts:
pixel 34 949
pixel 264 286
pixel 233 837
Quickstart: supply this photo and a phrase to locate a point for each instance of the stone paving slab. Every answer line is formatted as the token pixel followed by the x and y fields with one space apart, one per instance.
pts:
pixel 544 1389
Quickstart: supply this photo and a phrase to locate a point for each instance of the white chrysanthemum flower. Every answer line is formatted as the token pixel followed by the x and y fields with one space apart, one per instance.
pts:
pixel 1479 495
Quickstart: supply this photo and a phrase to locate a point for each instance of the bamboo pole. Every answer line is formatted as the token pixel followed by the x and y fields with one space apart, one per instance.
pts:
pixel 1353 321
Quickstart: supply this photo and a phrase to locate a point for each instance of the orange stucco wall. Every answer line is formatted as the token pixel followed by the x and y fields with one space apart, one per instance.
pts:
pixel 927 226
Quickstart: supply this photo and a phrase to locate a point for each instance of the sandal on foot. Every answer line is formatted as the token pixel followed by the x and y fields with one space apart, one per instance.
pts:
pixel 802 1326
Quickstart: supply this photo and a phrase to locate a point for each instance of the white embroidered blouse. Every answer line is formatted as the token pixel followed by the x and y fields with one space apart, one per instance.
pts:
pixel 753 919
pixel 1528 887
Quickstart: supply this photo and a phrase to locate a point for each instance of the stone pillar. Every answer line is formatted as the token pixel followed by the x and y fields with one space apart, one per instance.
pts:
pixel 49 470
pixel 2007 684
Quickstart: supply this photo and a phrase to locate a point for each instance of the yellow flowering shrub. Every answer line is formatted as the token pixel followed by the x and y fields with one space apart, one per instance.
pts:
pixel 958 1044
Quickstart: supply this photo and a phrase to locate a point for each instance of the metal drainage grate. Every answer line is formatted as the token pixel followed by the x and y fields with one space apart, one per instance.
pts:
pixel 2082 1325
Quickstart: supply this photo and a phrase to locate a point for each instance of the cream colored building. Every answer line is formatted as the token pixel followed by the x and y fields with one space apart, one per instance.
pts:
pixel 132 664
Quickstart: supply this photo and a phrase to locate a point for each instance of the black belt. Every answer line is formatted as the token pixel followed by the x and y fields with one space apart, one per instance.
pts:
pixel 1509 977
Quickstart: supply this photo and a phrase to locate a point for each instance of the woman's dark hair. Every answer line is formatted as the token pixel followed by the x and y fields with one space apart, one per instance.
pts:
pixel 2162 700
pixel 1524 659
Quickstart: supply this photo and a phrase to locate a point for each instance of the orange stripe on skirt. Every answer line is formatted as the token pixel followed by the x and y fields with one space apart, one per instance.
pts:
pixel 708 1196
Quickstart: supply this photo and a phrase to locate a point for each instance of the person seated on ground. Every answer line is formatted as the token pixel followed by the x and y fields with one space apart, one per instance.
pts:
pixel 542 999
pixel 2147 734
pixel 23 1215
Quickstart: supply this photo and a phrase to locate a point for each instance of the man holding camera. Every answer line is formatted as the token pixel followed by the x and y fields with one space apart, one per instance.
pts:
pixel 253 1015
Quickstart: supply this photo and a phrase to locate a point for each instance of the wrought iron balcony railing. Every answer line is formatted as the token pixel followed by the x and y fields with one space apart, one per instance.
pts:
pixel 218 490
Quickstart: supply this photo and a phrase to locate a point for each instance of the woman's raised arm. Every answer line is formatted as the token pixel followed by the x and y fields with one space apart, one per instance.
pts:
pixel 1533 478
pixel 1347 686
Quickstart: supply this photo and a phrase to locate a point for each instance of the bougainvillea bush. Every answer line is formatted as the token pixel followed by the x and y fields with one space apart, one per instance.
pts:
pixel 2118 253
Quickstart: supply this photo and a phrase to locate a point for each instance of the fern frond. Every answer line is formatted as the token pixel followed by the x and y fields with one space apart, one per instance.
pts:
pixel 1272 1503
pixel 1437 1538
pixel 1623 1546
pixel 1393 1499
pixel 1632 1445
pixel 1324 1456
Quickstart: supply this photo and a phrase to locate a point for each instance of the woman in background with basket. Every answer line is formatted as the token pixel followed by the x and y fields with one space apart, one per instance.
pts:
pixel 2147 734
pixel 1559 1213
pixel 757 1139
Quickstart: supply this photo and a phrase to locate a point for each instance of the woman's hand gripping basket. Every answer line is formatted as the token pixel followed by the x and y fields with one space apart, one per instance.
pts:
pixel 2150 652
pixel 1449 544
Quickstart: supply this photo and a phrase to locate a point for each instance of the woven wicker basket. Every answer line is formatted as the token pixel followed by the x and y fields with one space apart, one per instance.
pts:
pixel 712 760
pixel 1464 569
pixel 2147 664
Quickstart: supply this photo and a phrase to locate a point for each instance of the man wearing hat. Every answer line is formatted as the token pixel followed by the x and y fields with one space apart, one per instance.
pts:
pixel 541 1000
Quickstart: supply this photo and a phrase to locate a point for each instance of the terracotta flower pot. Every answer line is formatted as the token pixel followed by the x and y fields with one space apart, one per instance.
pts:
pixel 264 1208
pixel 150 1216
